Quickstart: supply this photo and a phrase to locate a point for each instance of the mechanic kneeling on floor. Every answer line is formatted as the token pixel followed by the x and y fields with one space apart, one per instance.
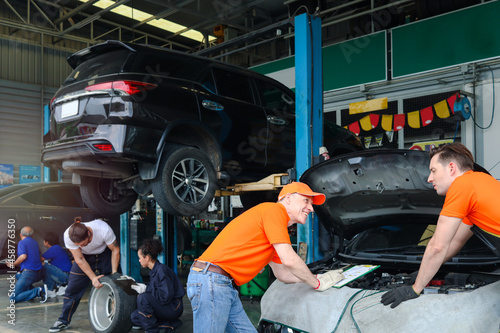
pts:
pixel 159 304
pixel 95 250
pixel 471 206
pixel 244 247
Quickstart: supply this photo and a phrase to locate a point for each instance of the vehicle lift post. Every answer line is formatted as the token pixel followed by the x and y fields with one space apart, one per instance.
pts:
pixel 309 113
pixel 166 232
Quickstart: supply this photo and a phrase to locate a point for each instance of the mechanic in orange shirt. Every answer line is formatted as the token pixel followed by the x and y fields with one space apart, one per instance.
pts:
pixel 471 206
pixel 244 247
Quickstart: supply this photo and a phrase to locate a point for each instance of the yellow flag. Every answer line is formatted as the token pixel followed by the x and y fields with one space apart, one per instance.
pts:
pixel 442 110
pixel 414 119
pixel 366 123
pixel 387 122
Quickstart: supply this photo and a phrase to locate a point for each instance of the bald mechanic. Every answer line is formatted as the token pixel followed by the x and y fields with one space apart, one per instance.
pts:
pixel 471 206
pixel 243 248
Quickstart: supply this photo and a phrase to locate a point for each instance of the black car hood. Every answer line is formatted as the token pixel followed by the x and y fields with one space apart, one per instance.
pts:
pixel 369 188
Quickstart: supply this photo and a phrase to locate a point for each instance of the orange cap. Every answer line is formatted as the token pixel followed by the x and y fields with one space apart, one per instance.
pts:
pixel 303 189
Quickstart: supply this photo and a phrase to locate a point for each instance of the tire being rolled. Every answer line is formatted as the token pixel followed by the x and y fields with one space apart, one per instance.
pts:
pixel 110 307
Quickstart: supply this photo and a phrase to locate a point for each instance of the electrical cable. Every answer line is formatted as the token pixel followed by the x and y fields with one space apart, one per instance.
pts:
pixel 345 308
pixel 456 131
pixel 493 104
pixel 362 297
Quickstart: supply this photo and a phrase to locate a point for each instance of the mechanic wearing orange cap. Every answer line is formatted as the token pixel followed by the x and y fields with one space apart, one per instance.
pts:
pixel 244 247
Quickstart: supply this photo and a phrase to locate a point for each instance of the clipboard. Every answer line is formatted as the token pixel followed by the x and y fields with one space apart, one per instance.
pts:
pixel 353 272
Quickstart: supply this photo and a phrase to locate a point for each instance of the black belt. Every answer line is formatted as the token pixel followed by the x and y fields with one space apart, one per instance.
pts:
pixel 211 268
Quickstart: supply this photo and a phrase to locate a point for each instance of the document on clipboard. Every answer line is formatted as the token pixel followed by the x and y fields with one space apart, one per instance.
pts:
pixel 354 272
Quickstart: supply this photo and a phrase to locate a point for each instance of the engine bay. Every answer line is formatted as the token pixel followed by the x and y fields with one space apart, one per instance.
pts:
pixel 443 283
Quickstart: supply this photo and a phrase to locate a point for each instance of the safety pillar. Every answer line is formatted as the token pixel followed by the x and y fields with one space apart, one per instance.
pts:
pixel 309 112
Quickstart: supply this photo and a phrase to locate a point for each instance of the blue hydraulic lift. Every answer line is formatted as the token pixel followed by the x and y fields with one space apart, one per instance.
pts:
pixel 166 232
pixel 309 113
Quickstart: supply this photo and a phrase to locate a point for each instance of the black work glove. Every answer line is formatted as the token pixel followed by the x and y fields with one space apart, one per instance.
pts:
pixel 398 295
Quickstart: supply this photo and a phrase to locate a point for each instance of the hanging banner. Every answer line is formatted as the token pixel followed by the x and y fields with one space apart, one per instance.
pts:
pixel 368 141
pixel 451 102
pixel 378 139
pixel 390 135
pixel 399 121
pixel 387 122
pixel 442 110
pixel 369 122
pixel 414 119
pixel 354 127
pixel 426 115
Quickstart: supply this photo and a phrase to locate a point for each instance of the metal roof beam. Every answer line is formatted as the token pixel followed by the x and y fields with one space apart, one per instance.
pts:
pixel 75 11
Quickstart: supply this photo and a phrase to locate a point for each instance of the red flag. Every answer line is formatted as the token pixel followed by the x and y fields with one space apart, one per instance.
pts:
pixel 399 121
pixel 354 127
pixel 451 102
pixel 426 115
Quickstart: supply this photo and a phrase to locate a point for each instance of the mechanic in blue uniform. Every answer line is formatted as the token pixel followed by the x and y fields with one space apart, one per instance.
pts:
pixel 159 305
pixel 56 270
pixel 28 257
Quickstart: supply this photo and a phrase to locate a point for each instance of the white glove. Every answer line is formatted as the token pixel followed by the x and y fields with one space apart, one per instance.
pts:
pixel 139 287
pixel 328 279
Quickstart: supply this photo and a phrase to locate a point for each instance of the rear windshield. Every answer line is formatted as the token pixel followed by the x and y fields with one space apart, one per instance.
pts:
pixel 102 64
pixel 170 64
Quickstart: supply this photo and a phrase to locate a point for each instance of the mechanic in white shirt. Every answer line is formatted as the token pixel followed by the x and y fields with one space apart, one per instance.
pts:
pixel 96 252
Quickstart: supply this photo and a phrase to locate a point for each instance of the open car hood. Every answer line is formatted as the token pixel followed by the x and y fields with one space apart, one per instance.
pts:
pixel 366 189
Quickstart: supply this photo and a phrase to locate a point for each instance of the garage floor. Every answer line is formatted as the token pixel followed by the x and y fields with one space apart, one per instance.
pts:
pixel 33 317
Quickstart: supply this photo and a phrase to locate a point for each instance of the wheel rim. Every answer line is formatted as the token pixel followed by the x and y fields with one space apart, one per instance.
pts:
pixel 103 307
pixel 190 181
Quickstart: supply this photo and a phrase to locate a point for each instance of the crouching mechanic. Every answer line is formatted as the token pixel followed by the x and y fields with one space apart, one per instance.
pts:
pixel 244 247
pixel 159 305
pixel 96 253
pixel 471 206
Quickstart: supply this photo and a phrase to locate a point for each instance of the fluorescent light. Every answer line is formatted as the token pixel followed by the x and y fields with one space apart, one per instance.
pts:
pixel 140 16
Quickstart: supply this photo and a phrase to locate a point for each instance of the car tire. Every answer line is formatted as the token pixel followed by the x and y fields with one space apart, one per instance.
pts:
pixel 110 307
pixel 96 195
pixel 186 182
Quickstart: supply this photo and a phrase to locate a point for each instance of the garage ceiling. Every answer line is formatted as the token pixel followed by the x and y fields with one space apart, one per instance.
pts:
pixel 188 25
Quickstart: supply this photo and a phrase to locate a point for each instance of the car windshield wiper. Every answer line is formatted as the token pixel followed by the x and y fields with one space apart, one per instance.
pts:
pixel 395 248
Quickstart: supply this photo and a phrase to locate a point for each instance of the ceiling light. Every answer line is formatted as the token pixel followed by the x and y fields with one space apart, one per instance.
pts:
pixel 140 16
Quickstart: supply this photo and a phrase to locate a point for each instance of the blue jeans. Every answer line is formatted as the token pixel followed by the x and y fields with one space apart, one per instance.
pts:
pixel 216 304
pixel 53 275
pixel 24 290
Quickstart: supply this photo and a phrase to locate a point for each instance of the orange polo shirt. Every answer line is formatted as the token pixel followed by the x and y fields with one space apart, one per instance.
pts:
pixel 245 246
pixel 475 198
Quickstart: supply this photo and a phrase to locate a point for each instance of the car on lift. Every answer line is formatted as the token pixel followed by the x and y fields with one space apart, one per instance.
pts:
pixel 134 119
pixel 381 211
pixel 45 207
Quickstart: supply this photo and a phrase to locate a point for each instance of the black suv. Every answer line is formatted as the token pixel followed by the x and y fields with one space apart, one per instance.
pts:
pixel 134 119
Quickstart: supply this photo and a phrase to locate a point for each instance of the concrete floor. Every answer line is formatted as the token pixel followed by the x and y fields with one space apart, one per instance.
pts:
pixel 33 317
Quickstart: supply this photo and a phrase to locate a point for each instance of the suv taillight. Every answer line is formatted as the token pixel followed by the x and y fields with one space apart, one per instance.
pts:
pixel 104 147
pixel 129 87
